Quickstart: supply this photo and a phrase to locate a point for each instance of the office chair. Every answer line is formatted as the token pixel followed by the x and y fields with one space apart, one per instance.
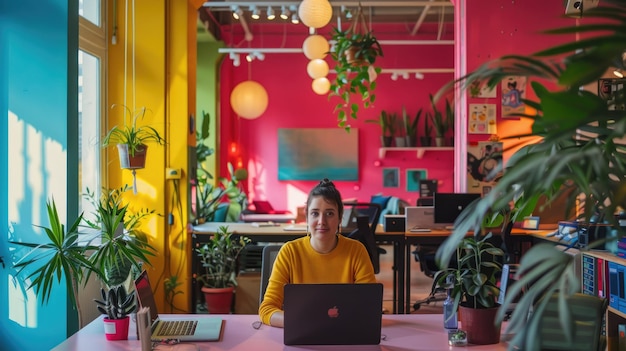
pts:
pixel 364 234
pixel 269 256
pixel 587 315
pixel 352 210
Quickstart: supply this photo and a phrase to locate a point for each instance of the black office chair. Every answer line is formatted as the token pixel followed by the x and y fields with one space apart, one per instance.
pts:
pixel 352 210
pixel 364 234
pixel 270 252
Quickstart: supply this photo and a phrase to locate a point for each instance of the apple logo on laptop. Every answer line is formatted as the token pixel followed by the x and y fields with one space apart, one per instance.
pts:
pixel 333 312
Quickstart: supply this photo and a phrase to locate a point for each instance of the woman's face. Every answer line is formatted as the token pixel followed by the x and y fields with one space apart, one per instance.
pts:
pixel 322 218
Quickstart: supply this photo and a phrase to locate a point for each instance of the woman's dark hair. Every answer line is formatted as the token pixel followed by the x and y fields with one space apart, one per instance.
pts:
pixel 327 190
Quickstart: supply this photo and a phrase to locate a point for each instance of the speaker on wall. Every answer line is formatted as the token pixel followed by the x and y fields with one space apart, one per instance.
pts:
pixel 576 8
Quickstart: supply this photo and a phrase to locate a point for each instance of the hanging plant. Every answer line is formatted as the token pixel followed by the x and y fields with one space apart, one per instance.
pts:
pixel 355 51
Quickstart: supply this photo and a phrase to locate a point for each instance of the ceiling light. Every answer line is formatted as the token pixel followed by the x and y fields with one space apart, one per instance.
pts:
pixel 294 18
pixel 270 13
pixel 419 75
pixel 249 57
pixel 259 55
pixel 235 58
pixel 405 75
pixel 394 76
pixel 237 11
pixel 618 73
pixel 256 14
pixel 284 13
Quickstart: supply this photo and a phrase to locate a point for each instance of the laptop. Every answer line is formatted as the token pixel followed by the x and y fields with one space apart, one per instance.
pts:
pixel 203 328
pixel 419 218
pixel 333 314
pixel 448 206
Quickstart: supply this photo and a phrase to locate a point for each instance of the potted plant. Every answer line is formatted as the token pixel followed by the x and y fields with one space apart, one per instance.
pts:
pixel 116 304
pixel 131 139
pixel 410 127
pixel 386 121
pixel 354 51
pixel 219 263
pixel 426 140
pixel 475 275
pixel 440 123
pixel 573 150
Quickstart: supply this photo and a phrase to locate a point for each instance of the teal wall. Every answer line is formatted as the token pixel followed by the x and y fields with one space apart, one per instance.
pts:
pixel 38 93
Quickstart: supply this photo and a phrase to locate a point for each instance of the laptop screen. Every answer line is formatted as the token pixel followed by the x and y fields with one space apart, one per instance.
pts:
pixel 145 295
pixel 448 206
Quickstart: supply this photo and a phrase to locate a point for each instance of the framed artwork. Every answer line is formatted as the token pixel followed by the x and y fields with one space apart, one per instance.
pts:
pixel 391 177
pixel 318 153
pixel 413 178
pixel 483 160
pixel 482 119
pixel 513 91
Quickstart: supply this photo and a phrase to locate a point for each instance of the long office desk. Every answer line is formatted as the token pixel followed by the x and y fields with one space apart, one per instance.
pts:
pixel 422 332
pixel 279 233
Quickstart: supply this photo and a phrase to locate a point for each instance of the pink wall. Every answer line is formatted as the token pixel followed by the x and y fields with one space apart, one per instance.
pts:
pixel 292 104
pixel 494 28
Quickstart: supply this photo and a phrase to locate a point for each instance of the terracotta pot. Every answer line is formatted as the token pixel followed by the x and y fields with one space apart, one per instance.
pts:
pixel 128 161
pixel 218 300
pixel 116 329
pixel 479 323
pixel 351 57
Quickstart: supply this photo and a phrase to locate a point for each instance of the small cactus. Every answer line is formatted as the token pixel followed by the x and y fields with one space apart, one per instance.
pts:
pixel 116 303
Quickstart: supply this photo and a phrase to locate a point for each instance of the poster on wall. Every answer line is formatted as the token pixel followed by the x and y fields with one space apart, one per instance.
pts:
pixel 413 178
pixel 513 91
pixel 391 177
pixel 318 153
pixel 482 119
pixel 482 159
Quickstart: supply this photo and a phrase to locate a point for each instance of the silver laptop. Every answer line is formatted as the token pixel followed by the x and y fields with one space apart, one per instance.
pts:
pixel 203 328
pixel 333 314
pixel 419 218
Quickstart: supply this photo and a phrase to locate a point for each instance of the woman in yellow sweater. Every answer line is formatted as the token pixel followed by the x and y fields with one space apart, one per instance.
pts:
pixel 323 256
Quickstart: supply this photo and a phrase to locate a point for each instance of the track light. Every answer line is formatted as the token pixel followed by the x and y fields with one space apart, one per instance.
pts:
pixel 618 73
pixel 284 13
pixel 294 14
pixel 394 76
pixel 270 13
pixel 236 59
pixel 249 57
pixel 419 75
pixel 237 11
pixel 255 55
pixel 256 14
pixel 405 75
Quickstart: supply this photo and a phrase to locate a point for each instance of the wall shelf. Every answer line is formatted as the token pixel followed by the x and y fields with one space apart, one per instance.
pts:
pixel 419 150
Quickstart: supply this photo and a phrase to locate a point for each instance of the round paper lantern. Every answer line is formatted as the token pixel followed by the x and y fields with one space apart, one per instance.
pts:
pixel 317 68
pixel 315 47
pixel 249 99
pixel 315 13
pixel 321 85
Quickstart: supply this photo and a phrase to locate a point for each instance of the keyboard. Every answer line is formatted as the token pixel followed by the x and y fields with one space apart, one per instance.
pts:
pixel 419 230
pixel 172 328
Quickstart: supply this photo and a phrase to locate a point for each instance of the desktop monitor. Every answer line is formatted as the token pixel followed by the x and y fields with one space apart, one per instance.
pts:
pixel 448 206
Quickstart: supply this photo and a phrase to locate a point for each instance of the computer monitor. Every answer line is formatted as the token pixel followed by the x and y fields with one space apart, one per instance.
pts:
pixel 448 206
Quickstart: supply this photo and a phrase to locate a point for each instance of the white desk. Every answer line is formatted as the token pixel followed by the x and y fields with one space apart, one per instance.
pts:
pixel 420 332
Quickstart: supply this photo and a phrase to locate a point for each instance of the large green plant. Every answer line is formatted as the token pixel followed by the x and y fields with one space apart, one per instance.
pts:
pixel 355 51
pixel 219 258
pixel 579 156
pixel 132 134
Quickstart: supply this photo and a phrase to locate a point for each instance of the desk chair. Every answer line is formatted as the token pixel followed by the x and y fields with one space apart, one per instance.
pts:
pixel 364 234
pixel 587 315
pixel 352 210
pixel 269 256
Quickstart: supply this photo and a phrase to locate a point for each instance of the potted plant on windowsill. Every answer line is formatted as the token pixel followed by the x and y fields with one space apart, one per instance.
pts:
pixel 573 150
pixel 354 51
pixel 132 139
pixel 475 270
pixel 219 268
pixel 116 304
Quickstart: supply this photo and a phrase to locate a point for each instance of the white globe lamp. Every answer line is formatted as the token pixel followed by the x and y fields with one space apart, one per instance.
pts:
pixel 315 47
pixel 317 68
pixel 249 99
pixel 321 85
pixel 315 13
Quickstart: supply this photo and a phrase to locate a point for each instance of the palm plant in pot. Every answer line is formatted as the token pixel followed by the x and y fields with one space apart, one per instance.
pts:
pixel 574 150
pixel 410 127
pixel 387 123
pixel 474 273
pixel 354 51
pixel 131 139
pixel 116 304
pixel 219 262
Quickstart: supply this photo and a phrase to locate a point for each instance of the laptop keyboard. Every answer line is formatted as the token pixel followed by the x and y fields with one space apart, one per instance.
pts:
pixel 169 328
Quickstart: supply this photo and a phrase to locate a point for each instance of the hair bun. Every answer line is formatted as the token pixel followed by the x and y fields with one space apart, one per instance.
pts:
pixel 326 183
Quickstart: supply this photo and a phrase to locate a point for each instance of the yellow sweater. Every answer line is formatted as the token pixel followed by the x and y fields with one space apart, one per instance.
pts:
pixel 298 263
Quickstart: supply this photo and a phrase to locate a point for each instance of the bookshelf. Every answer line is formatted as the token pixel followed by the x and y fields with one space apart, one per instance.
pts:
pixel 603 275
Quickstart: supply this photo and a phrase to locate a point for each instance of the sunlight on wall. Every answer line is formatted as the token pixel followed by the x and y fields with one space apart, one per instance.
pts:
pixel 22 311
pixel 16 173
pixel 295 198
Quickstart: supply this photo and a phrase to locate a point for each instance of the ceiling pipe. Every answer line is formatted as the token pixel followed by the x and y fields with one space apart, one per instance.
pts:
pixel 228 4
pixel 299 50
pixel 421 19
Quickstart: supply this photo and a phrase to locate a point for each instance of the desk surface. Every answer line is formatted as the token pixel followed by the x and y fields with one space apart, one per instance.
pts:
pixel 422 332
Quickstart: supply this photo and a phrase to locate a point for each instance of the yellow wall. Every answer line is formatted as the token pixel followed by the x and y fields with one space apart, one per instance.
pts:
pixel 164 57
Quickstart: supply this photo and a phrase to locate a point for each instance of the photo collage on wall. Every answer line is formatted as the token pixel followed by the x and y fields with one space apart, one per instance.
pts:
pixel 482 159
pixel 482 116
